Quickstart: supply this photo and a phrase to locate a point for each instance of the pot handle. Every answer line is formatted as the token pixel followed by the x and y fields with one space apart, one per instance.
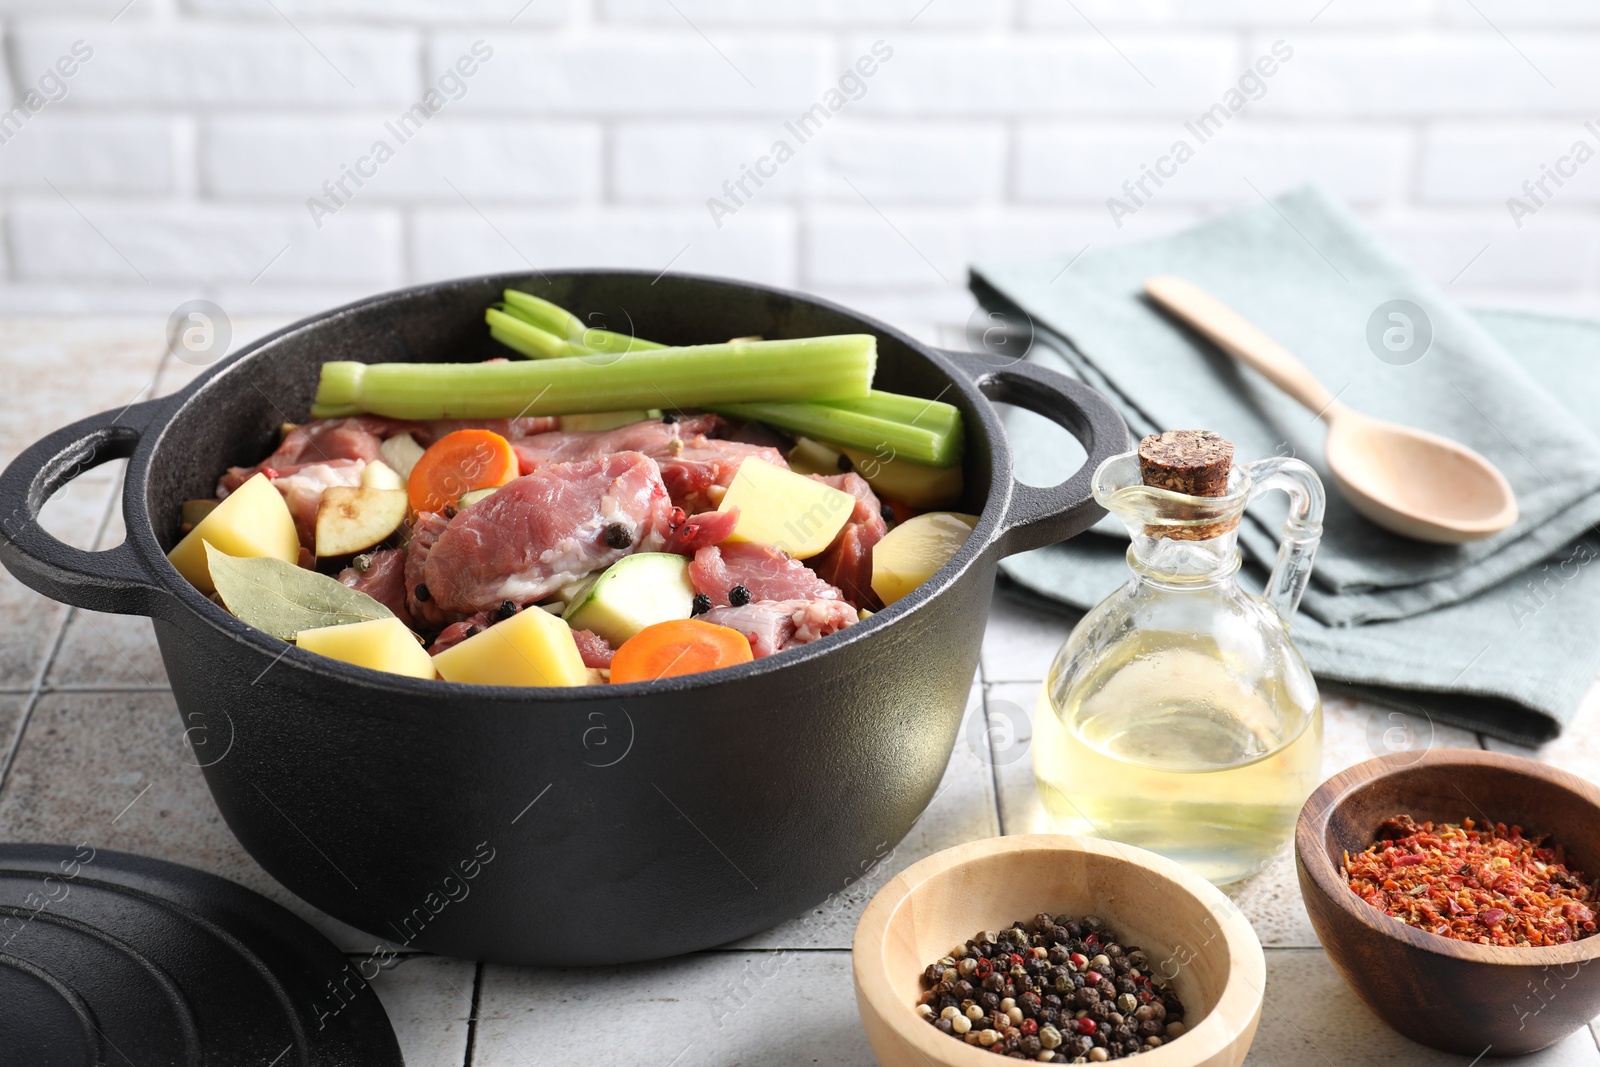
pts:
pixel 1034 516
pixel 113 580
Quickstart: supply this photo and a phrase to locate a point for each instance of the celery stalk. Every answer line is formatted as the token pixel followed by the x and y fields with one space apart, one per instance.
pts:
pixel 529 340
pixel 897 407
pixel 885 438
pixel 556 320
pixel 699 376
pixel 924 431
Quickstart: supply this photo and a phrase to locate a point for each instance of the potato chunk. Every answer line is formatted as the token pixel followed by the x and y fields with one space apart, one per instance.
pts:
pixel 381 644
pixel 532 647
pixel 912 551
pixel 253 521
pixel 777 507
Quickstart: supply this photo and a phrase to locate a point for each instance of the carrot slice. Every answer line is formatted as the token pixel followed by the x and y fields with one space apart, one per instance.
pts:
pixel 681 646
pixel 458 463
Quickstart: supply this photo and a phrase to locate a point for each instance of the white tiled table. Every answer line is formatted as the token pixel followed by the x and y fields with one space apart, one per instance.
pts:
pixel 92 749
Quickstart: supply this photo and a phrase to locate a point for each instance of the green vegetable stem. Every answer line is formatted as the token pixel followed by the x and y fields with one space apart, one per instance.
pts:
pixel 699 376
pixel 888 424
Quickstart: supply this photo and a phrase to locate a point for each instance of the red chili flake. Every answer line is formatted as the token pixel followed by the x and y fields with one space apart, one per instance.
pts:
pixel 1092 939
pixel 1492 886
pixel 984 968
pixel 1016 958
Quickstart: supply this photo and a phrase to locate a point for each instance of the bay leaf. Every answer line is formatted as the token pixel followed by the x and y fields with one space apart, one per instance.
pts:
pixel 284 599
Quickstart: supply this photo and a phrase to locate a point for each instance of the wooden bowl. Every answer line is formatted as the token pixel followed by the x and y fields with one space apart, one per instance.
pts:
pixel 1451 995
pixel 1205 946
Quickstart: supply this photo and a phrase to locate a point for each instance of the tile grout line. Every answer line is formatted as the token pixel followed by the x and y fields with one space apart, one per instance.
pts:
pixel 472 1016
pixel 994 769
pixel 37 688
pixel 108 687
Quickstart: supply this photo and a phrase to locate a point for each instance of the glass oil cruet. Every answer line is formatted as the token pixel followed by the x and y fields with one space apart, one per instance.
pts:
pixel 1179 716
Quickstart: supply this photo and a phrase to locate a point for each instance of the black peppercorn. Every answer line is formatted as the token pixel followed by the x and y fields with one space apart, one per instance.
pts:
pixel 449 511
pixel 422 594
pixel 506 609
pixel 738 596
pixel 845 464
pixel 471 631
pixel 669 418
pixel 618 535
pixel 1050 1002
pixel 702 604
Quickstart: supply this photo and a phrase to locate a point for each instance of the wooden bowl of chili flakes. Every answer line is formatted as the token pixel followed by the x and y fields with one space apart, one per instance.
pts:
pixel 1511 970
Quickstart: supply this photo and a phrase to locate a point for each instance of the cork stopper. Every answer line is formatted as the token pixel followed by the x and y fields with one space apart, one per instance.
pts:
pixel 1194 462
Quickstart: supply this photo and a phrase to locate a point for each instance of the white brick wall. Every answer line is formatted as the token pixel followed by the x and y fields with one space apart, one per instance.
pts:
pixel 178 159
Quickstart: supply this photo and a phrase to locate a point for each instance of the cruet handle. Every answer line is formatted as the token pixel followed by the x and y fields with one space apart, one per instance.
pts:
pixel 1301 531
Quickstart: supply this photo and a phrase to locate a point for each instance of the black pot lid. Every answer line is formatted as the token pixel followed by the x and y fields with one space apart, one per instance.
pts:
pixel 109 958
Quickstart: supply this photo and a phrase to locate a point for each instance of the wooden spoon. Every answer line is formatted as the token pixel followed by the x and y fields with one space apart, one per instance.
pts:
pixel 1417 484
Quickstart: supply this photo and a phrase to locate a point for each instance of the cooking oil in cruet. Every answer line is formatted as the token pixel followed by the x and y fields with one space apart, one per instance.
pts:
pixel 1179 716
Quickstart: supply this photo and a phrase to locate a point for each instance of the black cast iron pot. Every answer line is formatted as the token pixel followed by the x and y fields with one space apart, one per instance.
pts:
pixel 596 825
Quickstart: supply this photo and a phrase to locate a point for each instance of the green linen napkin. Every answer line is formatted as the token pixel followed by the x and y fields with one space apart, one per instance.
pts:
pixel 1310 274
pixel 1498 636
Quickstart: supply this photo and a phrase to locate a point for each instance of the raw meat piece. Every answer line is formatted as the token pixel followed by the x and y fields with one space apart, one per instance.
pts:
pixel 458 632
pixel 694 532
pixel 767 572
pixel 774 625
pixel 652 437
pixel 847 563
pixel 593 648
pixel 424 532
pixel 384 580
pixel 691 462
pixel 539 532
pixel 702 462
pixel 426 433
